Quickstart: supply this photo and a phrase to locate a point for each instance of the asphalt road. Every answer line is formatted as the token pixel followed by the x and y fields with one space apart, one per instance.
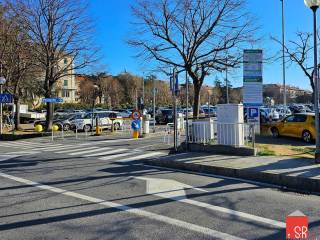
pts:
pixel 99 189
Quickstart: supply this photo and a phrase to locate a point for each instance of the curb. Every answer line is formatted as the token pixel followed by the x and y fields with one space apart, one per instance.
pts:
pixel 299 184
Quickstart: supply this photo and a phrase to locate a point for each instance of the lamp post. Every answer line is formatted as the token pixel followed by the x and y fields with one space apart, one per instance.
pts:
pixel 2 82
pixel 314 5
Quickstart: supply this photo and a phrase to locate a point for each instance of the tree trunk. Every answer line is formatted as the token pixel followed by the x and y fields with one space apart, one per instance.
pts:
pixel 196 102
pixel 49 116
pixel 17 115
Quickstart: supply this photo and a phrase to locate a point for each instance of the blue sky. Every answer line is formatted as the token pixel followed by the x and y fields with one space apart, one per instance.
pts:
pixel 113 19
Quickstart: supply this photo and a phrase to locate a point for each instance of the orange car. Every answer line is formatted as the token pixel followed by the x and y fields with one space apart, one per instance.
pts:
pixel 300 125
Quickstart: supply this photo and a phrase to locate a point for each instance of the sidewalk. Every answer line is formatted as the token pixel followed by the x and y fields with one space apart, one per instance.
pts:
pixel 298 174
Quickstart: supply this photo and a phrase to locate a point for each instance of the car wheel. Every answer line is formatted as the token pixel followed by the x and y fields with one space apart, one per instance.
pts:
pixel 275 132
pixel 306 136
pixel 87 128
pixel 116 126
pixel 66 127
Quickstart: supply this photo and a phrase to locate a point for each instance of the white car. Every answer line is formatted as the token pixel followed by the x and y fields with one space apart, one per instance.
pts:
pixel 105 119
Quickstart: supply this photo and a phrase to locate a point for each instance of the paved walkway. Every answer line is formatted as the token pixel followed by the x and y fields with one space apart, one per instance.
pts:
pixel 298 174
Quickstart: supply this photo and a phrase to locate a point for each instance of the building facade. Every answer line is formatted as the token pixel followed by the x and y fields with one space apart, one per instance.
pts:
pixel 66 87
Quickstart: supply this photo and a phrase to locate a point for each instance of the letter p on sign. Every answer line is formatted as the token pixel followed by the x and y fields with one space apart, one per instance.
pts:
pixel 297 226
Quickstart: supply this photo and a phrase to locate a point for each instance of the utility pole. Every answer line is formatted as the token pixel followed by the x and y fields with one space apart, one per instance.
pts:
pixel 283 59
pixel 154 105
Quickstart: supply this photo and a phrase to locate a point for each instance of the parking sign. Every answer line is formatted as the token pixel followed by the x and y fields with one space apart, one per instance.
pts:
pixel 253 114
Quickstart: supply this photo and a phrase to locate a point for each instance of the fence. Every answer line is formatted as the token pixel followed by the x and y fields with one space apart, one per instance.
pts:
pixel 208 131
pixel 233 134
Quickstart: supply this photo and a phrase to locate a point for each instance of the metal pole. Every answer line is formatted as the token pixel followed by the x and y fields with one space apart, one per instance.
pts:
pixel 208 104
pixel 187 112
pixel 227 87
pixel 154 105
pixel 283 61
pixel 143 88
pixel 1 113
pixel 316 91
pixel 174 113
pixel 92 115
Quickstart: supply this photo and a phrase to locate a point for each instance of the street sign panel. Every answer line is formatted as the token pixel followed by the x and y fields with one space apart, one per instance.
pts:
pixel 52 100
pixel 136 125
pixel 6 98
pixel 252 77
pixel 136 115
pixel 253 114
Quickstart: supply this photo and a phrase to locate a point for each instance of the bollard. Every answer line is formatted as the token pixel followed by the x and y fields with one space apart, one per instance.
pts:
pixel 146 124
pixel 136 134
pixel 112 126
pixel 98 128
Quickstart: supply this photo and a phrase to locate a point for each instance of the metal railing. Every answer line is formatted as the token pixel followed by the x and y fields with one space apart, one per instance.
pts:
pixel 211 132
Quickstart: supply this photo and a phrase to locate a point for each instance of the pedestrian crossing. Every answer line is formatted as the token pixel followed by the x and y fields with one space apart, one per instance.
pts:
pixel 104 153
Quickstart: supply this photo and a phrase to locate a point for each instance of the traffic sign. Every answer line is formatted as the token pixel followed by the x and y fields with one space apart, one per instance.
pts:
pixel 6 98
pixel 52 100
pixel 253 114
pixel 136 125
pixel 136 115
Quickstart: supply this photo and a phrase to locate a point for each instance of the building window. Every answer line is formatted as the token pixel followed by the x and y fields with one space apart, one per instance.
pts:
pixel 65 61
pixel 66 93
pixel 65 83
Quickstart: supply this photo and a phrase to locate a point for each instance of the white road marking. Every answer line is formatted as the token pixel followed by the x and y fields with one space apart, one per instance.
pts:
pixel 143 156
pixel 119 140
pixel 107 152
pixel 174 190
pixel 15 146
pixel 75 150
pixel 63 147
pixel 110 157
pixel 33 144
pixel 88 151
pixel 142 213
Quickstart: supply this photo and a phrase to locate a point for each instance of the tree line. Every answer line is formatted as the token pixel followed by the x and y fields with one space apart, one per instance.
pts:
pixel 124 90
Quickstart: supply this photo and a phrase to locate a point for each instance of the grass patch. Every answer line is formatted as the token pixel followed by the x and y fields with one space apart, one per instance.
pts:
pixel 265 151
pixel 303 150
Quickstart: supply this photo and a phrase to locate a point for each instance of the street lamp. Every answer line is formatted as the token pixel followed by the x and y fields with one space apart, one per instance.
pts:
pixel 283 60
pixel 314 5
pixel 2 82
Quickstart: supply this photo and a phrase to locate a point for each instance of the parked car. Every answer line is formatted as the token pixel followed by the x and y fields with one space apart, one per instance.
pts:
pixel 283 112
pixel 300 125
pixel 164 116
pixel 212 113
pixel 105 118
pixel 125 113
pixel 66 121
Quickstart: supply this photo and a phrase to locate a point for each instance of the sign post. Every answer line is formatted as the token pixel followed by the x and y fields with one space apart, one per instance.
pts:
pixel 4 98
pixel 53 100
pixel 253 85
pixel 136 123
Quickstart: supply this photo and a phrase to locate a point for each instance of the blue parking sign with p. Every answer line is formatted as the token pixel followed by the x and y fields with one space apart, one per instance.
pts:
pixel 253 114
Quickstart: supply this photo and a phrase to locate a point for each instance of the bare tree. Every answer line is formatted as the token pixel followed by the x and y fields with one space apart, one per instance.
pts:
pixel 193 35
pixel 61 34
pixel 16 59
